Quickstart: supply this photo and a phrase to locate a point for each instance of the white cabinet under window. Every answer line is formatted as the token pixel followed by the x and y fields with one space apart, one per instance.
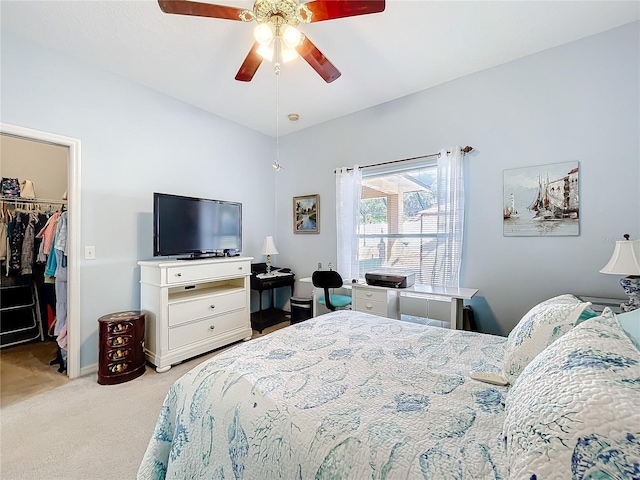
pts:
pixel 375 300
pixel 443 304
pixel 193 307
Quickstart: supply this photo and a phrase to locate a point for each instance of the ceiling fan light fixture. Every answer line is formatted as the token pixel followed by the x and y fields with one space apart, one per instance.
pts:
pixel 287 54
pixel 266 52
pixel 277 24
pixel 264 33
pixel 291 36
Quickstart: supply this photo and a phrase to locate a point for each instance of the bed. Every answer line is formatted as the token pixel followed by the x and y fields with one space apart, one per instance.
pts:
pixel 348 395
pixel 343 395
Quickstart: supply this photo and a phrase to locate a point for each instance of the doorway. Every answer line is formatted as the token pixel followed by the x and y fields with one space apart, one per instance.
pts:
pixel 73 235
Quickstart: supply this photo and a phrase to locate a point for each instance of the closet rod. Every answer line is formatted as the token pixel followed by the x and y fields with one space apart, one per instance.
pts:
pixel 15 200
pixel 465 150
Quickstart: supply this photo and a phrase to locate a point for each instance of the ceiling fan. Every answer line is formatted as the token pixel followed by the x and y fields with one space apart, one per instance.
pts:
pixel 277 31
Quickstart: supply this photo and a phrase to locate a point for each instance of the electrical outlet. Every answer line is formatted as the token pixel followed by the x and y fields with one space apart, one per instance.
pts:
pixel 89 252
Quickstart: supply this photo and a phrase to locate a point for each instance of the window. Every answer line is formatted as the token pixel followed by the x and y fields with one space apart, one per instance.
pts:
pixel 410 218
pixel 398 221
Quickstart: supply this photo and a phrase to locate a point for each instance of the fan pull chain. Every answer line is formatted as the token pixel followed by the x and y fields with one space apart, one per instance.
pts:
pixel 276 69
pixel 278 115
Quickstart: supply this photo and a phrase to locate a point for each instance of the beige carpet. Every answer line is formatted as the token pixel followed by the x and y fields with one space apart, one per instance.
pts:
pixel 25 371
pixel 83 430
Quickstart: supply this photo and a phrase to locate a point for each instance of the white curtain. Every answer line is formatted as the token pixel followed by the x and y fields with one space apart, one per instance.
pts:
pixel 348 192
pixel 450 218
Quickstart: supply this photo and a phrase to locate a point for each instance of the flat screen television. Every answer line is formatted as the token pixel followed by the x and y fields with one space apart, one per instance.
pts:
pixel 195 227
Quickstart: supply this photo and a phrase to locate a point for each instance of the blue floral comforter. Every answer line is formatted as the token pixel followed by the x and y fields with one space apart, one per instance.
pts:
pixel 344 395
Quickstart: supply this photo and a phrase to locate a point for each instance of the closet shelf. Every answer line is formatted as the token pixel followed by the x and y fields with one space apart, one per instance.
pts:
pixel 12 199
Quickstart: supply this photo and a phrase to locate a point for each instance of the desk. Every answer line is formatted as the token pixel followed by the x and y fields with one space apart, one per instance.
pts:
pixel 427 301
pixel 262 281
pixel 438 303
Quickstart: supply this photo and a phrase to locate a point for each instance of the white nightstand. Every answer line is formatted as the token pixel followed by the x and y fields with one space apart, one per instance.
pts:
pixel 599 303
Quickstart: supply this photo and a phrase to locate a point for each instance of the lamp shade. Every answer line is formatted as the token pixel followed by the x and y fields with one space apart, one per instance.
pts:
pixel 625 259
pixel 268 247
pixel 264 33
pixel 291 36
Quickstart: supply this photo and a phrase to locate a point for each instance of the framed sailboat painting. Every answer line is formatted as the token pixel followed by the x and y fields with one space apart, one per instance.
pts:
pixel 541 200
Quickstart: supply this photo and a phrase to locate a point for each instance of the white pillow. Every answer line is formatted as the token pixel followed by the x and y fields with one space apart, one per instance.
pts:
pixel 539 328
pixel 574 412
pixel 564 298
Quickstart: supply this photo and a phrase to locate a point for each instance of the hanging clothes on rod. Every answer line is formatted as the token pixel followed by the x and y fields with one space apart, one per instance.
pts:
pixel 27 226
pixel 60 274
pixel 22 218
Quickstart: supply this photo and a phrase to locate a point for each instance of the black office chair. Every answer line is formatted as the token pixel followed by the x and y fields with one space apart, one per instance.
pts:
pixel 327 279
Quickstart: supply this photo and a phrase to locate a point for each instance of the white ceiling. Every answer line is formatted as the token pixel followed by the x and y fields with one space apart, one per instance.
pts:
pixel 411 46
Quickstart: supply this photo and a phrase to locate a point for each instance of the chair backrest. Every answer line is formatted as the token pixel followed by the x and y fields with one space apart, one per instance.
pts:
pixel 326 279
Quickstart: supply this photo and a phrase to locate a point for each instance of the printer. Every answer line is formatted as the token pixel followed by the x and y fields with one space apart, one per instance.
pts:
pixel 391 278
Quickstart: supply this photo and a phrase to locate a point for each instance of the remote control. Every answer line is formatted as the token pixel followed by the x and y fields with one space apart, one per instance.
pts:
pixel 486 377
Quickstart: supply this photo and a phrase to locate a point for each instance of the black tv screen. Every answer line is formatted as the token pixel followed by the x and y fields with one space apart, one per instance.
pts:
pixel 195 226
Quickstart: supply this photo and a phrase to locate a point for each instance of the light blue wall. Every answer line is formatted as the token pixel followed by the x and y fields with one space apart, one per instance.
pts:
pixel 578 102
pixel 134 141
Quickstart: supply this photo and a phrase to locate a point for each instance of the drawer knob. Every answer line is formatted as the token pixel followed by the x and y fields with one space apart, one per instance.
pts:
pixel 212 306
pixel 369 306
pixel 368 294
pixel 239 268
pixel 178 274
pixel 212 327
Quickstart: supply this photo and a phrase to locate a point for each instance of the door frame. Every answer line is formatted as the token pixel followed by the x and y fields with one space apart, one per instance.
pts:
pixel 73 234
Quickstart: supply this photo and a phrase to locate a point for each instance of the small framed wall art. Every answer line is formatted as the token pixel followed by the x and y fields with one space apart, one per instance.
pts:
pixel 306 214
pixel 541 200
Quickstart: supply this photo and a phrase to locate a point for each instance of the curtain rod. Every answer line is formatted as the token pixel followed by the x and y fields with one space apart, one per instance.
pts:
pixel 465 150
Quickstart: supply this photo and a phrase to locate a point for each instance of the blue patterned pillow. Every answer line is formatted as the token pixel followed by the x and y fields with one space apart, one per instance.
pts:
pixel 539 328
pixel 574 412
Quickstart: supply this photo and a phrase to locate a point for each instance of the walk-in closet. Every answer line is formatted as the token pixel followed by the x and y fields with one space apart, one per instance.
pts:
pixel 33 261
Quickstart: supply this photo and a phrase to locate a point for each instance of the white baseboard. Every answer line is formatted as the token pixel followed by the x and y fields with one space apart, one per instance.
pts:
pixel 89 369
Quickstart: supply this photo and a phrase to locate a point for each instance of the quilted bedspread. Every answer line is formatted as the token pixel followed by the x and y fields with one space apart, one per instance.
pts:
pixel 344 395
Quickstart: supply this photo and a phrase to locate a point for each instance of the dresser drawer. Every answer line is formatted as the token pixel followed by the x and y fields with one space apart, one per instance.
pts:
pixel 372 306
pixel 119 354
pixel 205 329
pixel 120 367
pixel 371 294
pixel 181 312
pixel 120 327
pixel 211 271
pixel 119 341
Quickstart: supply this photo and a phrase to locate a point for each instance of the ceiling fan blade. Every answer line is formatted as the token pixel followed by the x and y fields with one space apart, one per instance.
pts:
pixel 250 65
pixel 330 9
pixel 318 61
pixel 185 7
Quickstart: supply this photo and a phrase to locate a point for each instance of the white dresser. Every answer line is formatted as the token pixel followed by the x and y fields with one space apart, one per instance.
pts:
pixel 193 307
